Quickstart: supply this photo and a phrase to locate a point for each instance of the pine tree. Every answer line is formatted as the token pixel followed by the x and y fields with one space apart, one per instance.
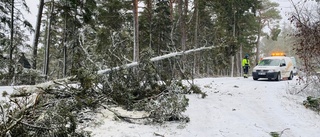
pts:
pixel 14 31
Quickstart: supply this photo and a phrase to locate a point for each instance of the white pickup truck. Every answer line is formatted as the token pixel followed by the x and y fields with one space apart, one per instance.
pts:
pixel 274 68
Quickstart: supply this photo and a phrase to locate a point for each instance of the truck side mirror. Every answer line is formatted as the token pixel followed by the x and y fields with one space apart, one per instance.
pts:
pixel 282 64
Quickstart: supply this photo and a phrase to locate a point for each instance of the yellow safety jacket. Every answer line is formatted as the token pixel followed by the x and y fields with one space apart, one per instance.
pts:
pixel 245 62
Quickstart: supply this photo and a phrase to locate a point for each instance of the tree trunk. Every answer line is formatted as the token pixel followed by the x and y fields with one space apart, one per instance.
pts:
pixel 232 66
pixel 37 34
pixel 182 31
pixel 258 39
pixel 65 47
pixel 196 55
pixel 11 48
pixel 136 31
pixel 240 63
pixel 149 9
pixel 46 65
pixel 234 36
pixel 237 64
pixel 258 42
pixel 184 16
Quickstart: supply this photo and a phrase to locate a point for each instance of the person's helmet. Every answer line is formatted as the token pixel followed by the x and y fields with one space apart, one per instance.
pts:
pixel 246 56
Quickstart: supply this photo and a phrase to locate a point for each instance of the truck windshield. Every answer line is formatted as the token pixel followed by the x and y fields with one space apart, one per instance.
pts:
pixel 269 62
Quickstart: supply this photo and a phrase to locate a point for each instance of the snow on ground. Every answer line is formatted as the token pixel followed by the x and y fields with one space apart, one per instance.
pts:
pixel 234 107
pixel 8 89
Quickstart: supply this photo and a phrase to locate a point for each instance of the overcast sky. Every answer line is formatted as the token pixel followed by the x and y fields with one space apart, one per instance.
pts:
pixel 285 8
pixel 33 5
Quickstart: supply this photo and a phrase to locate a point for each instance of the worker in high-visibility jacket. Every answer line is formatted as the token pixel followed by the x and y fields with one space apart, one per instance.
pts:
pixel 245 65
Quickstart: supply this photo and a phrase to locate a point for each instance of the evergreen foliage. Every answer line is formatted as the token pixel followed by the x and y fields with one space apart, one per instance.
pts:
pixel 312 103
pixel 274 134
pixel 139 85
pixel 14 30
pixel 51 109
pixel 174 101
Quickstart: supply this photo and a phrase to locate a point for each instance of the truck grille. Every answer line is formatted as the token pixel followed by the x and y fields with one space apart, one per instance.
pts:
pixel 262 70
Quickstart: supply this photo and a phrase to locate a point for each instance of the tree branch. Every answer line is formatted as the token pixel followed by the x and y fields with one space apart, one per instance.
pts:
pixel 124 118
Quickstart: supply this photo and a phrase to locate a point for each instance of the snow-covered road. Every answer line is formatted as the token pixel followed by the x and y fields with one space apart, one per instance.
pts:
pixel 238 107
pixel 234 107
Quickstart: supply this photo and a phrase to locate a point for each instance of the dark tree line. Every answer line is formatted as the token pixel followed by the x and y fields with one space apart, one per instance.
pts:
pixel 96 35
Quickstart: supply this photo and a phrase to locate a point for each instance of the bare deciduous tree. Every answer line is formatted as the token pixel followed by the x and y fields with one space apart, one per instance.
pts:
pixel 307 36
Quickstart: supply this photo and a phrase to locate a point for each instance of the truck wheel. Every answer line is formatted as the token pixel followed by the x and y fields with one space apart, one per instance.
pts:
pixel 291 76
pixel 278 77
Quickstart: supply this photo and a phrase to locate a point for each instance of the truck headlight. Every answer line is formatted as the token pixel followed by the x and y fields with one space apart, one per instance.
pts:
pixel 254 70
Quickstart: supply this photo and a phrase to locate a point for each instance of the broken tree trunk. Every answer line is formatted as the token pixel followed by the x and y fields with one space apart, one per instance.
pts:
pixel 170 55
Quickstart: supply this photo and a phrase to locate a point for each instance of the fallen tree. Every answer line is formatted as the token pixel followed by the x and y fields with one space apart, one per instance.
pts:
pixel 55 108
pixel 170 55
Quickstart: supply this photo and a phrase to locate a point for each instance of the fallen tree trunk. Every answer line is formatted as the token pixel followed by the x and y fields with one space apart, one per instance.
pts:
pixel 170 55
